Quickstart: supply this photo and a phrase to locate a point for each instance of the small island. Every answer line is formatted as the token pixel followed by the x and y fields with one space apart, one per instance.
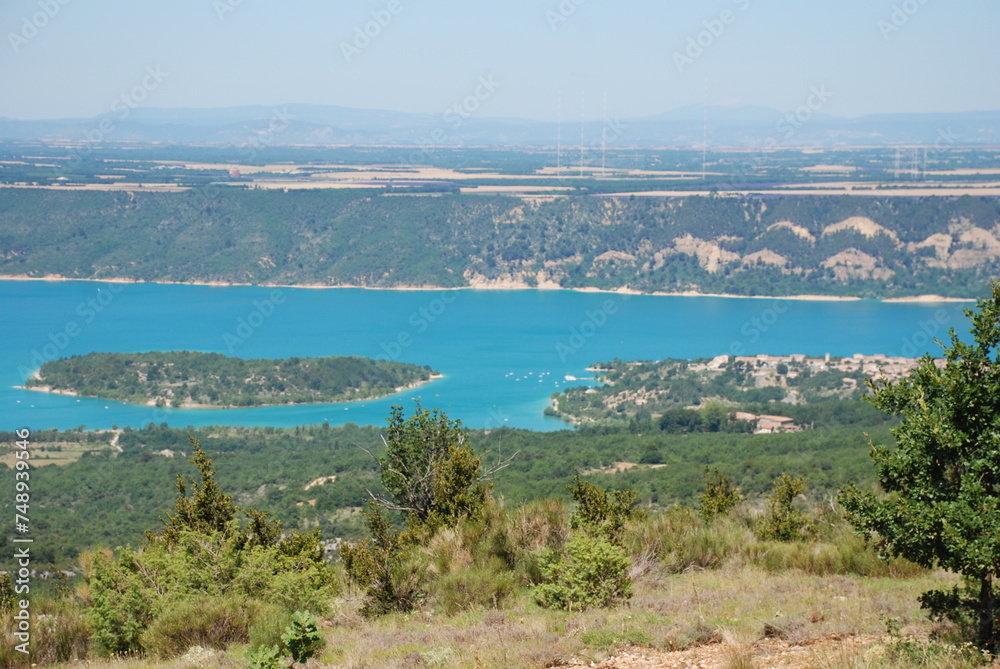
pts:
pixel 189 379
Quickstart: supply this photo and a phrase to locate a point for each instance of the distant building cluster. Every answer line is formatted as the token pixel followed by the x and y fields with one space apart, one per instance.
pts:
pixel 777 370
pixel 769 424
pixel 892 368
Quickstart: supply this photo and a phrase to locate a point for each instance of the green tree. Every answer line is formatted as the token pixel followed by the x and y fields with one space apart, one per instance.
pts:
pixel 429 471
pixel 207 510
pixel 943 475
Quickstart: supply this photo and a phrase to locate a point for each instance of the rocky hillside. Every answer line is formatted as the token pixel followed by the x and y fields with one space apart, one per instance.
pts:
pixel 867 246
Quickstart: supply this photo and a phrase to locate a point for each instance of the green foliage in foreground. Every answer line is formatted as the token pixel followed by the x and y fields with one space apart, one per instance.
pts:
pixel 301 639
pixel 183 378
pixel 477 564
pixel 719 497
pixel 943 475
pixel 602 513
pixel 593 573
pixel 435 479
pixel 430 471
pixel 593 569
pixel 383 566
pixel 147 599
pixel 783 521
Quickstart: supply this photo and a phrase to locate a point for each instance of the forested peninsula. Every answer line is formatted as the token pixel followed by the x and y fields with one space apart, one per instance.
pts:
pixel 189 379
pixel 872 246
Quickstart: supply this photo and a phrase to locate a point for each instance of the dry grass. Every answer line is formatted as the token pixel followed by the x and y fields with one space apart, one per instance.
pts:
pixel 745 611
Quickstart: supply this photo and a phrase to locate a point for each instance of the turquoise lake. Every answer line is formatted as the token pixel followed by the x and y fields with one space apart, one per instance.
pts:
pixel 503 353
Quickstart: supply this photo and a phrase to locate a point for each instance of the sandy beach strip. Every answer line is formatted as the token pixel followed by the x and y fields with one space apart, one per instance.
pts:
pixel 497 285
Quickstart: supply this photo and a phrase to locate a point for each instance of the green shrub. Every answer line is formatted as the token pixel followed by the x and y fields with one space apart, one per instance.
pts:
pixel 301 637
pixel 602 513
pixel 594 572
pixel 300 640
pixel 783 521
pixel 203 552
pixel 206 621
pixel 267 657
pixel 292 574
pixel 430 471
pixel 129 592
pixel 487 586
pixel 719 497
pixel 390 572
pixel 121 603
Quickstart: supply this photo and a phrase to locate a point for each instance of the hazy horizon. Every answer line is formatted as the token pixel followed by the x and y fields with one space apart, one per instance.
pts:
pixel 269 109
pixel 525 60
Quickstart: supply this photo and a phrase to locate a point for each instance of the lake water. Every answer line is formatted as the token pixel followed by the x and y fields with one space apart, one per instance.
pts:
pixel 503 353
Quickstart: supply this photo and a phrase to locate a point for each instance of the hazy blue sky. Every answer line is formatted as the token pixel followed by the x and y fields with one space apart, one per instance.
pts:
pixel 932 55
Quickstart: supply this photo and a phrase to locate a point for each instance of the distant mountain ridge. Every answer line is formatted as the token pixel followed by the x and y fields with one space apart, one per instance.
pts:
pixel 691 126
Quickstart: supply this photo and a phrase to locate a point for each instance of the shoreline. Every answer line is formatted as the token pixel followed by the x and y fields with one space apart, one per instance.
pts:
pixel 501 285
pixel 189 405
